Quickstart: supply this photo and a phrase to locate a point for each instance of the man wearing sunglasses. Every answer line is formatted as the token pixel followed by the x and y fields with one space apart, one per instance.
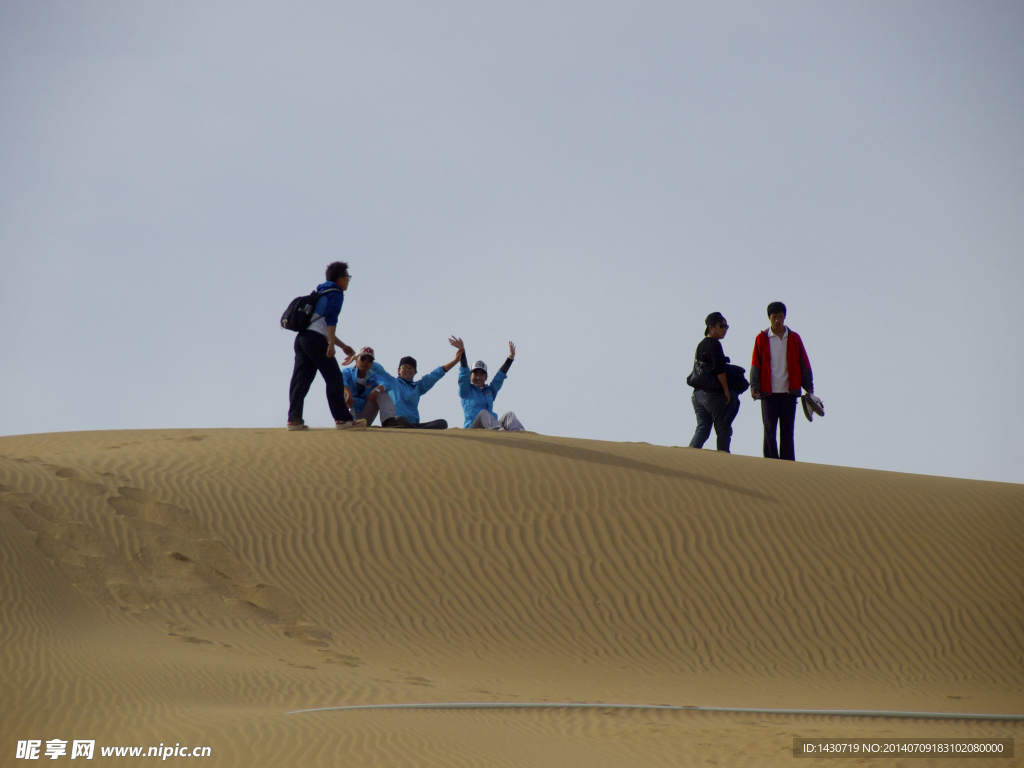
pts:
pixel 713 403
pixel 366 392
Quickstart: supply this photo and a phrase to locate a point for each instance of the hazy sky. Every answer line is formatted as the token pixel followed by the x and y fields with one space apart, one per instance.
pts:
pixel 587 179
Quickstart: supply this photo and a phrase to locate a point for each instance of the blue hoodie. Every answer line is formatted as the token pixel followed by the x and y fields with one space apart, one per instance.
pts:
pixel 327 307
pixel 476 399
pixel 349 376
pixel 406 394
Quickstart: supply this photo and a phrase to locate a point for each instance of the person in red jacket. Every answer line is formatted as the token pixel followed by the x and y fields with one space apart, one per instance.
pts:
pixel 778 370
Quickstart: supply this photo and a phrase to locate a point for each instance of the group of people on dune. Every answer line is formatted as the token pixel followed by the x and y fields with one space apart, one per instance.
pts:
pixel 779 369
pixel 357 394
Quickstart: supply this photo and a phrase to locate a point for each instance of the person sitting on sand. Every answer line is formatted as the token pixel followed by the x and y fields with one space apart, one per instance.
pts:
pixel 366 392
pixel 406 392
pixel 478 396
pixel 314 351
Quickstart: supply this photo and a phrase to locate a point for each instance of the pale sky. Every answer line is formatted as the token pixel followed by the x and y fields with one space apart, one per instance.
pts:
pixel 587 179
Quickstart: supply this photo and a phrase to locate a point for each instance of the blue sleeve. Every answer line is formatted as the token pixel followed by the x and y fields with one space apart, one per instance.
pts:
pixel 348 377
pixel 334 302
pixel 464 382
pixel 382 375
pixel 496 382
pixel 430 379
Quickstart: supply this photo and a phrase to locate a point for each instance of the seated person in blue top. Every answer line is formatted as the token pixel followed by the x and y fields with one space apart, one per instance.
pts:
pixel 366 392
pixel 478 396
pixel 406 393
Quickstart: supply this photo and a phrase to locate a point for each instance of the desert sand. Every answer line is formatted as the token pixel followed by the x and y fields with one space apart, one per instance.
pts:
pixel 195 587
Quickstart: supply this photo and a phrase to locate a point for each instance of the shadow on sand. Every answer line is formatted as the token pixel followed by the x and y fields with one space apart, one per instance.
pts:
pixel 607 459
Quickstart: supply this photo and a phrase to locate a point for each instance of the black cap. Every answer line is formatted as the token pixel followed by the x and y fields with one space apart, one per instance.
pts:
pixel 713 319
pixel 407 361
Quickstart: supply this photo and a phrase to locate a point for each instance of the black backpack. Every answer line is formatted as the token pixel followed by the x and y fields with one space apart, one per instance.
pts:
pixel 300 312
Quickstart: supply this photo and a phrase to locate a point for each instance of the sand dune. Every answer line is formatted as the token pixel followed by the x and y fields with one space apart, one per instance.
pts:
pixel 193 587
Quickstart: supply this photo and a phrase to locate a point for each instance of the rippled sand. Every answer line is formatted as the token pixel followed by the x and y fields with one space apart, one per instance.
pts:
pixel 194 587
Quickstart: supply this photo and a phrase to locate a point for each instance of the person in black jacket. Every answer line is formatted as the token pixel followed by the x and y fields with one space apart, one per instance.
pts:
pixel 715 404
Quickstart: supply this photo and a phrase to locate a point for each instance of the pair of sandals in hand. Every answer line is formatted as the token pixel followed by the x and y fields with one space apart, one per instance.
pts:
pixel 812 405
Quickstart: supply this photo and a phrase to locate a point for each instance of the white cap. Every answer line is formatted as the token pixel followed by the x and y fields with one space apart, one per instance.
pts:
pixel 481 365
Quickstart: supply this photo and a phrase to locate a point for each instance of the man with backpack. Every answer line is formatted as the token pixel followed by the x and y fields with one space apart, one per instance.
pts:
pixel 778 370
pixel 314 351
pixel 713 402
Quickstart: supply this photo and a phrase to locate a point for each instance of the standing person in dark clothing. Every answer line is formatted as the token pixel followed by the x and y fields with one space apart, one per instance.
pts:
pixel 778 370
pixel 716 405
pixel 314 351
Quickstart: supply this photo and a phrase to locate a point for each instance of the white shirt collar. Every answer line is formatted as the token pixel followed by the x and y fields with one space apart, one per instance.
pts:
pixel 785 333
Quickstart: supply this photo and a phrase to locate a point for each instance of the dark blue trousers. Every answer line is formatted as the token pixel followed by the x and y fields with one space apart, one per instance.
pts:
pixel 778 412
pixel 711 410
pixel 310 357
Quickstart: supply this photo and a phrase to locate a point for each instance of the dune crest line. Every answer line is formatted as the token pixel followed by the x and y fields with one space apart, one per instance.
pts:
pixel 673 707
pixel 575 453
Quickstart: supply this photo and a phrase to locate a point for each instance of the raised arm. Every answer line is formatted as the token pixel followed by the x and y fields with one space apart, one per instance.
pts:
pixel 430 379
pixel 383 375
pixel 464 372
pixel 455 360
pixel 511 356
pixel 461 355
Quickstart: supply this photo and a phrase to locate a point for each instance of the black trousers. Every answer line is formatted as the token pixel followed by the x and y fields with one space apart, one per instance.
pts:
pixel 779 412
pixel 310 357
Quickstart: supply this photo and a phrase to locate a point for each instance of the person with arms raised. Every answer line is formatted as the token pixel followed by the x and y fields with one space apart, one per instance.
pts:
pixel 406 391
pixel 478 396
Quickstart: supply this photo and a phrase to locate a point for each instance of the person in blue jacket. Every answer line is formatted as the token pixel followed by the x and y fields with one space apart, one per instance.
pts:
pixel 406 393
pixel 478 396
pixel 314 351
pixel 366 392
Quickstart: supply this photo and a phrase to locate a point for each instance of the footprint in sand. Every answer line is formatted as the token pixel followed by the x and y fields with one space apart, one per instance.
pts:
pixel 173 560
pixel 189 639
pixel 77 481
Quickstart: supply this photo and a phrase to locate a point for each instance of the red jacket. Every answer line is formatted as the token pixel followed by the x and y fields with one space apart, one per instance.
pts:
pixel 796 361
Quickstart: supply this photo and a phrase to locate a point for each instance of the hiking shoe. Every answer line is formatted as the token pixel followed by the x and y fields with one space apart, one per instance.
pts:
pixel 296 426
pixel 357 424
pixel 435 424
pixel 396 422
